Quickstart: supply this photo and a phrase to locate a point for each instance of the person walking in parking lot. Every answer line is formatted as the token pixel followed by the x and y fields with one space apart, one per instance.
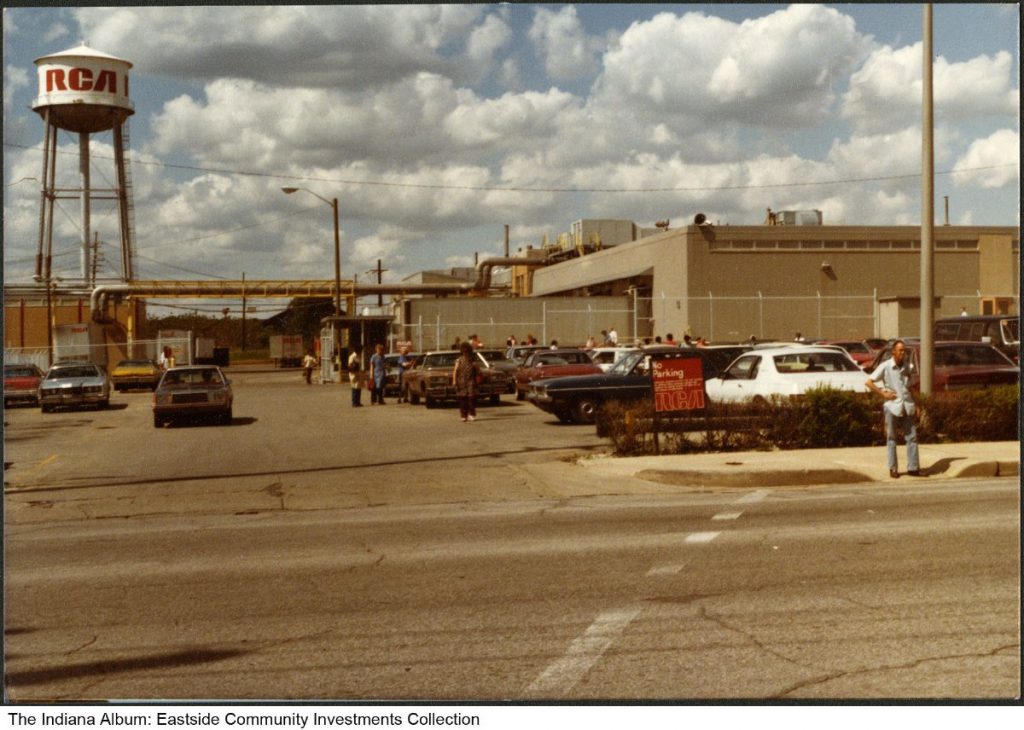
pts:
pixel 899 407
pixel 308 363
pixel 355 377
pixel 377 375
pixel 464 378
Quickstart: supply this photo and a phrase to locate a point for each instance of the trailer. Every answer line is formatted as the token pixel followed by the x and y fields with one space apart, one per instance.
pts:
pixel 83 341
pixel 286 350
pixel 204 351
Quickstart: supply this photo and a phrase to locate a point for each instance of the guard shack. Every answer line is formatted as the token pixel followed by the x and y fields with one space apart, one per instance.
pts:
pixel 341 334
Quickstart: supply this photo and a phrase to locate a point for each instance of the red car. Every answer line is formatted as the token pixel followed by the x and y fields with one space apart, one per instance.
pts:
pixel 552 364
pixel 959 365
pixel 860 351
pixel 21 383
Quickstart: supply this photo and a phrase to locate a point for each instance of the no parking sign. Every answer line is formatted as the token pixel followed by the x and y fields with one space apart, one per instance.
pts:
pixel 678 384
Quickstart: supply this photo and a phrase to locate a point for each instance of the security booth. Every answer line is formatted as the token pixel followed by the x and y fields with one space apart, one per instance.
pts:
pixel 359 331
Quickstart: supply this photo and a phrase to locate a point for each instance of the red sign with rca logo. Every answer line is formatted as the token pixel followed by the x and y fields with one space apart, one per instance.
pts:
pixel 678 384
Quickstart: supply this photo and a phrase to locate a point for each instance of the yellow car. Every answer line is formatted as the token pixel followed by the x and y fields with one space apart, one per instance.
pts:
pixel 135 374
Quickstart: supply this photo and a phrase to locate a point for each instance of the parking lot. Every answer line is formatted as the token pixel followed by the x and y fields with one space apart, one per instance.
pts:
pixel 288 441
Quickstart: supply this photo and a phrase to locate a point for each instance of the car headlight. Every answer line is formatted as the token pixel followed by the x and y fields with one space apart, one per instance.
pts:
pixel 162 399
pixel 218 396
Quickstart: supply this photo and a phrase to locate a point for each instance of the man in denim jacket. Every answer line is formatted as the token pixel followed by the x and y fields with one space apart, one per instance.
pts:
pixel 899 407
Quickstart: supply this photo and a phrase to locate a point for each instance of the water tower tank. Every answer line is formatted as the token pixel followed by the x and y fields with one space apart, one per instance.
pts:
pixel 83 89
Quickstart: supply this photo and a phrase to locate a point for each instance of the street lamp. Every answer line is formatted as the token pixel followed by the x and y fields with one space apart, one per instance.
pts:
pixel 337 244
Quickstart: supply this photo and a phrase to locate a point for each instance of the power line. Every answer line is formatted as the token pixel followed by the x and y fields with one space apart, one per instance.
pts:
pixel 517 189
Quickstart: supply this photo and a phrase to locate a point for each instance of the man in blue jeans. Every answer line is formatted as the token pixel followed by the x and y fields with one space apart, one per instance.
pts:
pixel 899 407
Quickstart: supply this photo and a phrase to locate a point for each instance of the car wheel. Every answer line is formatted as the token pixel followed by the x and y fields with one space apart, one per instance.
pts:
pixel 226 418
pixel 157 421
pixel 520 394
pixel 584 409
pixel 414 398
pixel 495 399
pixel 45 408
pixel 103 404
pixel 429 402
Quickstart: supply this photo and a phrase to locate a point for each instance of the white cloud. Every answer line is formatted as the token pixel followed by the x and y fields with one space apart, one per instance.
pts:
pixel 692 70
pixel 993 162
pixel 15 78
pixel 560 40
pixel 887 90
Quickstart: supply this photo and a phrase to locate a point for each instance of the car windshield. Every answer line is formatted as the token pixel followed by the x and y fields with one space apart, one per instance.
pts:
pixel 207 377
pixel 967 355
pixel 492 356
pixel 854 346
pixel 73 371
pixel 441 360
pixel 809 362
pixel 627 363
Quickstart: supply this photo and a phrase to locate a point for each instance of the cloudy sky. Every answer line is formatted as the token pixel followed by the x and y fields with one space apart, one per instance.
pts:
pixel 436 125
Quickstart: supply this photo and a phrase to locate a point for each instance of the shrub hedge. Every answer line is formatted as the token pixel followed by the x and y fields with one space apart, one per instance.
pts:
pixel 823 418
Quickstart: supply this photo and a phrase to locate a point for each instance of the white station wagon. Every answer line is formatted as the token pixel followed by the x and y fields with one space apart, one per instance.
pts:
pixel 786 371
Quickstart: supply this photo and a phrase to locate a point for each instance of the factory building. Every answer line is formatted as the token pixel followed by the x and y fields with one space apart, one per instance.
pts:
pixel 727 282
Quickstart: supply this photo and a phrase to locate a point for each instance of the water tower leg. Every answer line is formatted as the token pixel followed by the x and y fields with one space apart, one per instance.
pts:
pixel 83 169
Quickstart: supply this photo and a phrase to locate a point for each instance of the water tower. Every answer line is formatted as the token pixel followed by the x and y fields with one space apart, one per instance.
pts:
pixel 85 91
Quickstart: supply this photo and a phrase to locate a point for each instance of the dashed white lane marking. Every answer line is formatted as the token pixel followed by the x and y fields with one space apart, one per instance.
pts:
pixel 727 516
pixel 753 496
pixel 702 536
pixel 563 674
pixel 672 569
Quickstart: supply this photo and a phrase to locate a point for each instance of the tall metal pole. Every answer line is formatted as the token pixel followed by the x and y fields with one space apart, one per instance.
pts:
pixel 927 210
pixel 84 172
pixel 337 260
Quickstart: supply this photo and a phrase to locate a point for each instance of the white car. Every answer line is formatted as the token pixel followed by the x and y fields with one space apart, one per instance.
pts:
pixel 786 371
pixel 606 357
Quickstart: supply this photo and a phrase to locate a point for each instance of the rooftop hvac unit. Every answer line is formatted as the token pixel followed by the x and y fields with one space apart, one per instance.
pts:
pixel 798 217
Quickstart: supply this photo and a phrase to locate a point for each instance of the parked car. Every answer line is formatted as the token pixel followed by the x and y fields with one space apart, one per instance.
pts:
pixel 496 358
pixel 999 330
pixel 74 383
pixel 430 379
pixel 392 381
pixel 785 371
pixel 551 364
pixel 135 374
pixel 859 350
pixel 519 353
pixel 958 365
pixel 193 392
pixel 576 398
pixel 605 357
pixel 21 383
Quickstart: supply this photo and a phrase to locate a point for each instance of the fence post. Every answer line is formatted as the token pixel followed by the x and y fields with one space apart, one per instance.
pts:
pixel 437 333
pixel 819 315
pixel 544 324
pixel 711 317
pixel 760 307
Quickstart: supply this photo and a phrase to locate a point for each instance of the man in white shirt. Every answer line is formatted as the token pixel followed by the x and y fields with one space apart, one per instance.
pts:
pixel 899 407
pixel 613 336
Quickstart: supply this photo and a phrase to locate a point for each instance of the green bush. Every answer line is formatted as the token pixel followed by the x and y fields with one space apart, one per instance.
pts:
pixel 823 418
pixel 986 414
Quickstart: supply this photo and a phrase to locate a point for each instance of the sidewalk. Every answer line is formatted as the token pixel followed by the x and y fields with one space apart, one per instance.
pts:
pixel 813 466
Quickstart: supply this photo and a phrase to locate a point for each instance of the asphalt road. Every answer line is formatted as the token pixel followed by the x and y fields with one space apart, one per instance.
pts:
pixel 309 551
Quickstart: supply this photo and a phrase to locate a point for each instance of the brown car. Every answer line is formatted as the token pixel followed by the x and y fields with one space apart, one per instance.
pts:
pixel 552 364
pixel 430 379
pixel 959 365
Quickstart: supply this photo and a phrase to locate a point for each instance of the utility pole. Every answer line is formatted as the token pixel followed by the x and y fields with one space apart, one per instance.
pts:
pixel 243 311
pixel 379 271
pixel 927 209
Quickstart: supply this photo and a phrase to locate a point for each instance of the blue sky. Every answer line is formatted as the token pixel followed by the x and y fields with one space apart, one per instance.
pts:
pixel 437 125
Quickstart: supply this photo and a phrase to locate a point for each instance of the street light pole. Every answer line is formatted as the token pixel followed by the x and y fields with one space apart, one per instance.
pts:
pixel 337 244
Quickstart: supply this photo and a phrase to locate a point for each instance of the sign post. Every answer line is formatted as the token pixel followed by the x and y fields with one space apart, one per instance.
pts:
pixel 677 387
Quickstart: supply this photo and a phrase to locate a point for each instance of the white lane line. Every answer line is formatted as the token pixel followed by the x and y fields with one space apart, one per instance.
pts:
pixel 727 516
pixel 702 536
pixel 564 673
pixel 668 569
pixel 753 496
